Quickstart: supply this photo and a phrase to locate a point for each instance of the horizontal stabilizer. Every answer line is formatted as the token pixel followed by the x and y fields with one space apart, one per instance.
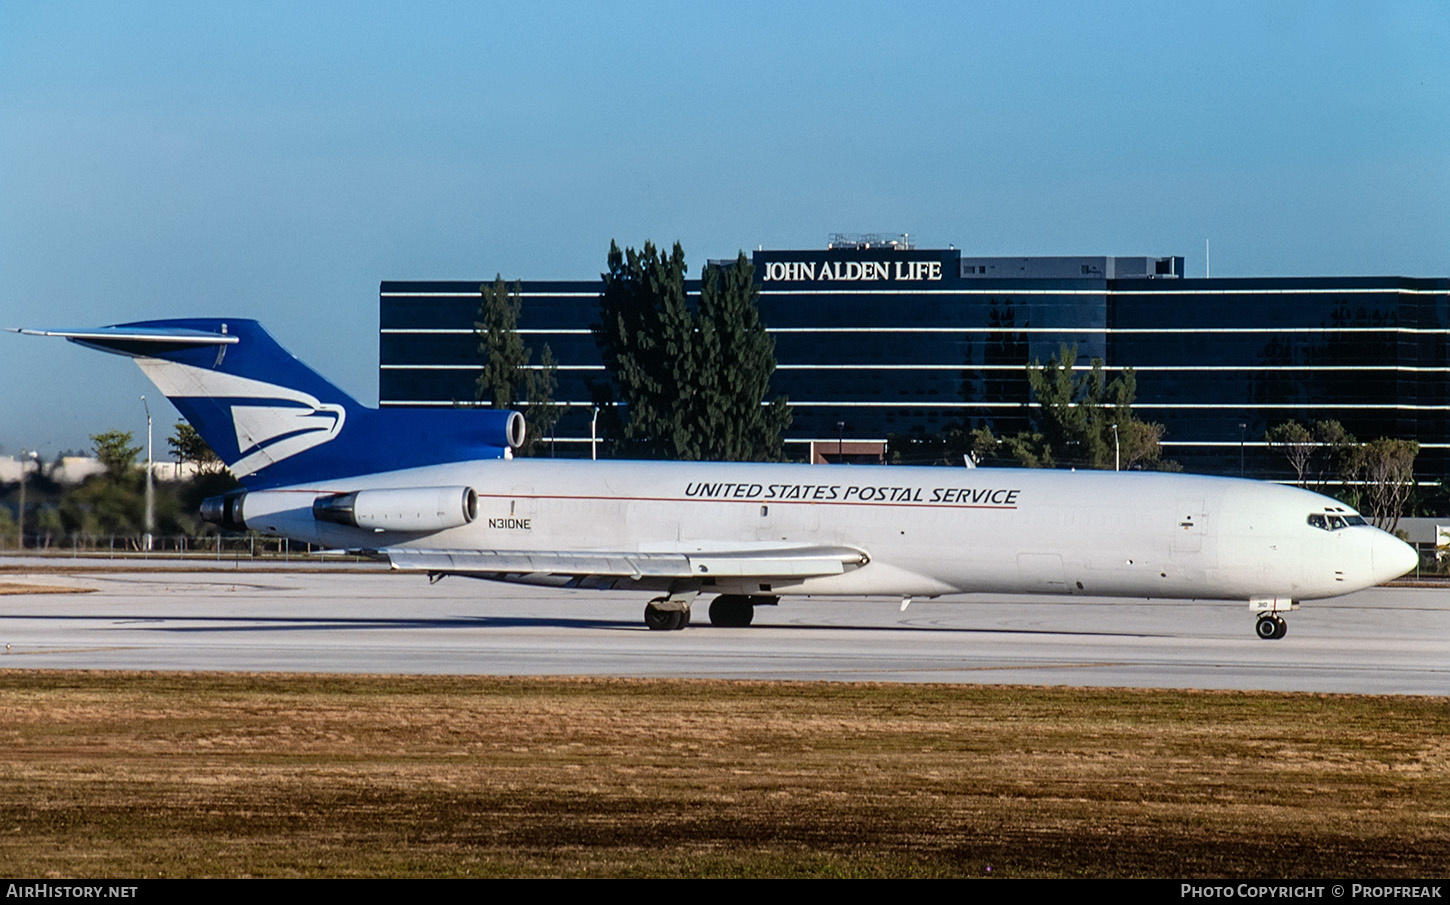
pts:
pixel 117 339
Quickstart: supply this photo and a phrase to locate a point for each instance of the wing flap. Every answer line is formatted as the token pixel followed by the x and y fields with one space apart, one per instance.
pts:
pixel 796 562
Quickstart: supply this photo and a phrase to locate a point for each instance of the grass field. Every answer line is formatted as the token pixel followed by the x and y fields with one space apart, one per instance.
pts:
pixel 12 587
pixel 139 775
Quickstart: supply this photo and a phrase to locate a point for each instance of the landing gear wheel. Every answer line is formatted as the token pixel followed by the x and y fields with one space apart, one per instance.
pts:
pixel 660 620
pixel 1271 627
pixel 731 611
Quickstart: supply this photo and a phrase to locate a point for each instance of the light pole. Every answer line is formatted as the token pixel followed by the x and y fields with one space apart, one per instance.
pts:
pixel 594 435
pixel 840 441
pixel 20 516
pixel 1117 450
pixel 150 490
pixel 1243 428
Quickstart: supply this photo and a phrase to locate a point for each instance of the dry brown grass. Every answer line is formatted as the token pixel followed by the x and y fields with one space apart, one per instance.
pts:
pixel 110 774
pixel 15 587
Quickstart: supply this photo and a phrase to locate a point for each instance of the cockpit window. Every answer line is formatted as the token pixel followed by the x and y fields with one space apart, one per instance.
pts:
pixel 1328 521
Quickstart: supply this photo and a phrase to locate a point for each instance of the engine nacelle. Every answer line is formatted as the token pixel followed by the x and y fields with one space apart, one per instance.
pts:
pixel 416 509
pixel 276 512
pixel 224 511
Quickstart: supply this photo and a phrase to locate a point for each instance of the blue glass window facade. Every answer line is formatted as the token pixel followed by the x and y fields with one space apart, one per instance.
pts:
pixel 888 340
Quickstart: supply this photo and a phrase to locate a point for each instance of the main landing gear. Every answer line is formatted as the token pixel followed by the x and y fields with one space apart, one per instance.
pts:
pixel 1271 627
pixel 662 620
pixel 665 614
pixel 732 611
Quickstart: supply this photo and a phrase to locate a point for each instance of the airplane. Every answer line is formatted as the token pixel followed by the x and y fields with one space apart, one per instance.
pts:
pixel 438 492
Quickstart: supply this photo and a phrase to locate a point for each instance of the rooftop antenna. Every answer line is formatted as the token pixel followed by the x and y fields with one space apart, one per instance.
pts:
pixel 1205 259
pixel 898 241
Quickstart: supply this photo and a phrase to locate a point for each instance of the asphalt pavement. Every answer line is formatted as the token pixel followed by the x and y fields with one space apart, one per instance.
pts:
pixel 350 617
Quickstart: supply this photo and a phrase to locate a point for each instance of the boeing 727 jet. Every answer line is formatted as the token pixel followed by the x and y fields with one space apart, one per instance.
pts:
pixel 439 493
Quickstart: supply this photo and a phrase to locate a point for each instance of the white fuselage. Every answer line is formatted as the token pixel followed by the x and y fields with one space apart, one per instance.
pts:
pixel 925 531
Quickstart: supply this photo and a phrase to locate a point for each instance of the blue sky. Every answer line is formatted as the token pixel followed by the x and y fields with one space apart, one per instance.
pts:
pixel 277 161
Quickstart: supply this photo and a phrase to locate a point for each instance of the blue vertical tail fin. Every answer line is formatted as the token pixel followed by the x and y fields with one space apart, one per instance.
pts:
pixel 274 421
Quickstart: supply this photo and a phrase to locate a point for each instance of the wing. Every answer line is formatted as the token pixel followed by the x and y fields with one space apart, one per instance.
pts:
pixel 606 569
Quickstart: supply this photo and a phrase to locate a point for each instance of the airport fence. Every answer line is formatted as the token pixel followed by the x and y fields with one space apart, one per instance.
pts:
pixel 164 546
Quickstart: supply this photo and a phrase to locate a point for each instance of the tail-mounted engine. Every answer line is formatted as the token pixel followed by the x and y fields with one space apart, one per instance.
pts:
pixel 410 509
pixel 404 509
pixel 224 511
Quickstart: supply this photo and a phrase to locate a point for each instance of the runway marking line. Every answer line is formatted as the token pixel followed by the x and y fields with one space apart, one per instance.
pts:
pixel 951 669
pixel 65 650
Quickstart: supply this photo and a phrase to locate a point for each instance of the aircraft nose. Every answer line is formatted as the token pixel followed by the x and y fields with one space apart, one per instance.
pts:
pixel 1391 557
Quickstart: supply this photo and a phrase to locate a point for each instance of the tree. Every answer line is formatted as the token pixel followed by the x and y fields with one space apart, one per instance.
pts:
pixel 542 412
pixel 111 503
pixel 691 384
pixel 1377 477
pixel 1338 446
pixel 1066 409
pixel 1318 456
pixel 1080 419
pixel 188 446
pixel 1296 443
pixel 1128 441
pixel 506 378
pixel 1385 469
pixel 48 526
pixel 115 452
pixel 737 359
pixel 103 505
pixel 1141 444
pixel 1024 448
pixel 500 345
pixel 646 335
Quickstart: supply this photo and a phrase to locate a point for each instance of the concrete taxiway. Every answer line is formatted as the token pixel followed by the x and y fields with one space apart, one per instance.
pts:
pixel 1391 641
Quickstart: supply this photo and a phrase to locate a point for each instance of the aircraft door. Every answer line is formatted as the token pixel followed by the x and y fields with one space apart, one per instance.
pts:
pixel 776 521
pixel 1042 572
pixel 1189 516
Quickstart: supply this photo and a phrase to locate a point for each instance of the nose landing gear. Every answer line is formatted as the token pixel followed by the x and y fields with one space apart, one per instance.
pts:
pixel 1271 627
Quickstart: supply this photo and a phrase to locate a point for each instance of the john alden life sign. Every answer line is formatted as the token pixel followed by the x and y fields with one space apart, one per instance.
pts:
pixel 852 266
pixel 850 271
